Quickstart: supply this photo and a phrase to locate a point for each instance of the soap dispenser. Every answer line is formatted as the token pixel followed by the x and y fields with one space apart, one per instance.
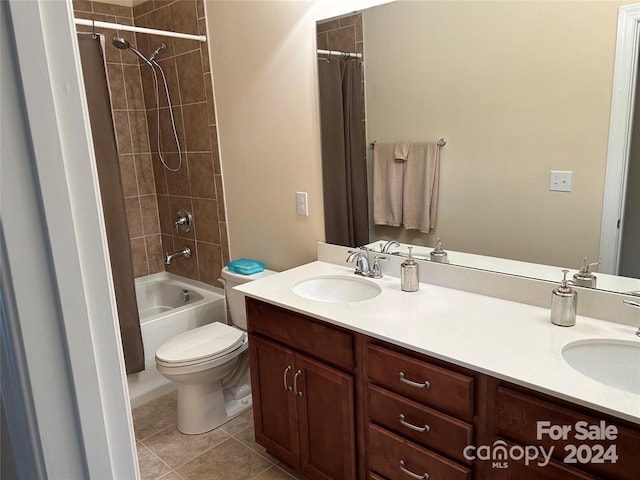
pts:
pixel 564 301
pixel 584 278
pixel 438 254
pixel 409 274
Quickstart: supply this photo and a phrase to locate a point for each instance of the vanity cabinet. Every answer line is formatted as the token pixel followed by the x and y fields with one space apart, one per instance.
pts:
pixel 419 416
pixel 339 405
pixel 303 402
pixel 584 443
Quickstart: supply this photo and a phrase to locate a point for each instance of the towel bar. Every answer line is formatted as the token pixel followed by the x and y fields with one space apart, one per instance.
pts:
pixel 441 142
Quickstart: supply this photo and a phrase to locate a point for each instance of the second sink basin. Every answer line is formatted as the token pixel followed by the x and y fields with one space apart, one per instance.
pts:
pixel 336 289
pixel 612 362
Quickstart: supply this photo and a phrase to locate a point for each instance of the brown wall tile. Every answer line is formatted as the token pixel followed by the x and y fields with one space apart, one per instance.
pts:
pixel 139 257
pixel 128 175
pixel 155 255
pixel 109 9
pixel 134 217
pixel 184 19
pixel 196 127
pixel 149 210
pixel 210 263
pixel 191 82
pixel 201 175
pixel 207 226
pixel 116 84
pixel 164 215
pixel 144 173
pixel 139 132
pixel 178 182
pixel 133 87
pixel 123 131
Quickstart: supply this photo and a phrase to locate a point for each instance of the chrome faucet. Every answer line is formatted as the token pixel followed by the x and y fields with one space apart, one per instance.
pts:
pixel 362 262
pixel 633 304
pixel 386 247
pixel 363 265
pixel 169 257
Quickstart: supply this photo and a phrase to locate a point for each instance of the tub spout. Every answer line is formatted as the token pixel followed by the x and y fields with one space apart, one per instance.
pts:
pixel 168 257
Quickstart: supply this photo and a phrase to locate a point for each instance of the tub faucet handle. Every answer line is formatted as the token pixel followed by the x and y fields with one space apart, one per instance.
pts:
pixel 184 221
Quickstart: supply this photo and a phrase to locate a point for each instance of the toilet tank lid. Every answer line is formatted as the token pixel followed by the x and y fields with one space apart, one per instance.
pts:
pixel 240 278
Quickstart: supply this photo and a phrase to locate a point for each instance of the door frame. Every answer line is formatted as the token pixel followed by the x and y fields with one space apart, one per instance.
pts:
pixel 620 132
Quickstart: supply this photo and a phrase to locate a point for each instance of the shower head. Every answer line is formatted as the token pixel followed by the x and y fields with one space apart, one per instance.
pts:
pixel 121 43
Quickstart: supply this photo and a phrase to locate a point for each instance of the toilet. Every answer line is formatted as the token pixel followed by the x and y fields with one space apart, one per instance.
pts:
pixel 210 365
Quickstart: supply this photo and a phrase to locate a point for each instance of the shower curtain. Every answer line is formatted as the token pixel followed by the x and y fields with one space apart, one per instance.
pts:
pixel 104 143
pixel 344 165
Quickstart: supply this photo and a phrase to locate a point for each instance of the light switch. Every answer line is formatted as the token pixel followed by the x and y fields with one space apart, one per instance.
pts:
pixel 560 181
pixel 301 204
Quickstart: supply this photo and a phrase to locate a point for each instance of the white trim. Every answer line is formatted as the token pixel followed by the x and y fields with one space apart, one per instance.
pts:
pixel 620 129
pixel 74 355
pixel 131 28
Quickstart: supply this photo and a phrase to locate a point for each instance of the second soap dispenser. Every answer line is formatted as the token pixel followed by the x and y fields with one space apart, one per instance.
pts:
pixel 564 302
pixel 409 274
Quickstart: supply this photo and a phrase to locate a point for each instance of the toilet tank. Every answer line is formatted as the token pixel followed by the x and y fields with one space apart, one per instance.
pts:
pixel 235 299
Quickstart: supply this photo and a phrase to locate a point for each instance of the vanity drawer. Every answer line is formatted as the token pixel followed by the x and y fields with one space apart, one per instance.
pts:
pixel 389 454
pixel 423 382
pixel 314 338
pixel 517 417
pixel 439 431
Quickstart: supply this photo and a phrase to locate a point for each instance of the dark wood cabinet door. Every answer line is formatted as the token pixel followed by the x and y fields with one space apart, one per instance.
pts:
pixel 274 403
pixel 326 418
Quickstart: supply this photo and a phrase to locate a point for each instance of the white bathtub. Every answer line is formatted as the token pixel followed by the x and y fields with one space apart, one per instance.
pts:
pixel 163 315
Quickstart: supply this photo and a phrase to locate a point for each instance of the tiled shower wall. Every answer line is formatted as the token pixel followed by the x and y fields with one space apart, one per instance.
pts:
pixel 154 195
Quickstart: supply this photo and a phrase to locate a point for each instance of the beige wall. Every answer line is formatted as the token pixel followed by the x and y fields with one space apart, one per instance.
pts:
pixel 266 98
pixel 264 70
pixel 518 89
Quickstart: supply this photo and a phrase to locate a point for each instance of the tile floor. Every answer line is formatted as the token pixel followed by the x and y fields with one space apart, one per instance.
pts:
pixel 226 453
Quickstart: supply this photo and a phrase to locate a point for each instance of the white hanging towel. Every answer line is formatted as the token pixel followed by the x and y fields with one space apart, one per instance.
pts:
pixel 420 186
pixel 387 185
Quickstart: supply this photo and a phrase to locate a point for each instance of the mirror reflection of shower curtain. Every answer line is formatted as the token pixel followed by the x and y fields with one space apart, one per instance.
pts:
pixel 104 144
pixel 344 166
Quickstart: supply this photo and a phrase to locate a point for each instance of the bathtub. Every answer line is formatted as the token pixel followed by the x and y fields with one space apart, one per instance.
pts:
pixel 164 313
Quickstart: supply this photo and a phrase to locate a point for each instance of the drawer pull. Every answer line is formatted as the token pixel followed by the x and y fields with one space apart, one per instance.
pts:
pixel 426 427
pixel 425 384
pixel 286 385
pixel 295 383
pixel 424 476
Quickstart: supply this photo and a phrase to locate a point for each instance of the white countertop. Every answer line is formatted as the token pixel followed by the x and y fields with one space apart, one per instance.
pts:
pixel 508 340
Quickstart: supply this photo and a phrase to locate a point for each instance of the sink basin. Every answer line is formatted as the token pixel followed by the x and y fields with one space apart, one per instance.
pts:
pixel 615 363
pixel 336 289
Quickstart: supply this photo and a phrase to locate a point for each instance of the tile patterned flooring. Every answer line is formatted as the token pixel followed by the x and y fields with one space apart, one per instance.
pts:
pixel 227 453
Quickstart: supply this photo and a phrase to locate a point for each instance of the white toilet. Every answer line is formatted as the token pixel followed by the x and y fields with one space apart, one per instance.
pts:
pixel 210 364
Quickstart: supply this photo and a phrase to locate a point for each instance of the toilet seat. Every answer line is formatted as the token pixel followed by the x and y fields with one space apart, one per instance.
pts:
pixel 200 345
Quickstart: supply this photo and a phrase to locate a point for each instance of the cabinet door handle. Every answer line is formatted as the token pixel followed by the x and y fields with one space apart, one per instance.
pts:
pixel 286 385
pixel 424 476
pixel 426 427
pixel 295 383
pixel 425 384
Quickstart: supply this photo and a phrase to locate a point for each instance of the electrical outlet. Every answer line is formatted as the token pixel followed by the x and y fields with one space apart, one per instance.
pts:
pixel 302 206
pixel 560 181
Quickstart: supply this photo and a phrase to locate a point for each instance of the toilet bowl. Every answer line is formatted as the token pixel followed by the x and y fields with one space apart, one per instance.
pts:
pixel 210 365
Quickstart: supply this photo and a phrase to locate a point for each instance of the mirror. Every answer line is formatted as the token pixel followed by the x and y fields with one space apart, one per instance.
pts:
pixel 517 89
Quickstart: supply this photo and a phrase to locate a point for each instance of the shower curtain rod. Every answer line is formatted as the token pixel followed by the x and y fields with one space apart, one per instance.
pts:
pixel 129 28
pixel 338 53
